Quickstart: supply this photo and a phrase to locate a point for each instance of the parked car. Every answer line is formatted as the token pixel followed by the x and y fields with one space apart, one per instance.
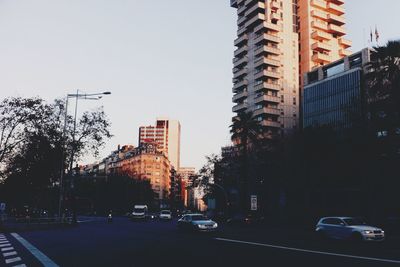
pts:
pixel 245 220
pixel 197 223
pixel 348 228
pixel 165 215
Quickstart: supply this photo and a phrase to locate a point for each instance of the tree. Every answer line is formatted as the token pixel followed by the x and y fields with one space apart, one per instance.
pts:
pixel 17 117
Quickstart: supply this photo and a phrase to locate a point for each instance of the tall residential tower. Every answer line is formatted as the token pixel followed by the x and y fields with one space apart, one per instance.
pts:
pixel 276 43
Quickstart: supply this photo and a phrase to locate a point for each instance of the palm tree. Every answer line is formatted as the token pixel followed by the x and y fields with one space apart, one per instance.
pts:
pixel 245 133
pixel 384 89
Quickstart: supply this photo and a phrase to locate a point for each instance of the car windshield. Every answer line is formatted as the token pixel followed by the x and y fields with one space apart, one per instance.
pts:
pixel 138 210
pixel 199 218
pixel 165 212
pixel 354 221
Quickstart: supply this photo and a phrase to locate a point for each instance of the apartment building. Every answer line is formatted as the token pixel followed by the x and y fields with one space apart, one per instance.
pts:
pixel 276 44
pixel 166 134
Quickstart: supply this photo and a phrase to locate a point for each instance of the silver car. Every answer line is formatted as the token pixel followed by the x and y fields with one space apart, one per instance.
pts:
pixel 348 228
pixel 197 223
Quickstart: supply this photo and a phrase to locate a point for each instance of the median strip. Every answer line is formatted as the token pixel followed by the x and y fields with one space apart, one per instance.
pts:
pixel 309 251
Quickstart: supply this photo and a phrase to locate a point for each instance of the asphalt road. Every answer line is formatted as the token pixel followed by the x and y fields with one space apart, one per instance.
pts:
pixel 94 242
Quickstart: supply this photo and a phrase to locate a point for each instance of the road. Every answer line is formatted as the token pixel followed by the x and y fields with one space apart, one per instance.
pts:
pixel 94 242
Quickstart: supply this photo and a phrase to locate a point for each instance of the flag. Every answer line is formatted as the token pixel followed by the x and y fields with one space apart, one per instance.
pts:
pixel 376 34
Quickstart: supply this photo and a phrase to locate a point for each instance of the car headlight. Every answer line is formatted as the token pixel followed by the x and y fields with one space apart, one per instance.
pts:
pixel 215 225
pixel 201 226
pixel 367 232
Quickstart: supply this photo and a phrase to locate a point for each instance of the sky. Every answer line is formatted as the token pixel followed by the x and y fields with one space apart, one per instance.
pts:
pixel 158 58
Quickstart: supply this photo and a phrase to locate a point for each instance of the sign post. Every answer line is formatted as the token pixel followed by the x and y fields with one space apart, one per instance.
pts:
pixel 253 202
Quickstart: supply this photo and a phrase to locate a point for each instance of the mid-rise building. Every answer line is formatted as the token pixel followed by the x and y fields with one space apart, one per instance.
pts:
pixel 146 162
pixel 185 173
pixel 277 41
pixel 166 134
pixel 334 95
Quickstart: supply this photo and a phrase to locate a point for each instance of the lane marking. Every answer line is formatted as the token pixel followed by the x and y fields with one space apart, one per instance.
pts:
pixel 3 242
pixel 20 265
pixel 13 260
pixel 6 249
pixel 4 245
pixel 12 253
pixel 46 261
pixel 309 251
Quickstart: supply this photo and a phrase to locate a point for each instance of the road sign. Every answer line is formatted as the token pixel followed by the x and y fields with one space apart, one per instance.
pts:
pixel 253 202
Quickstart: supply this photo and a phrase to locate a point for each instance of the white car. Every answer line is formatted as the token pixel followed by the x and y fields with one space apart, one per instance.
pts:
pixel 197 222
pixel 348 228
pixel 165 215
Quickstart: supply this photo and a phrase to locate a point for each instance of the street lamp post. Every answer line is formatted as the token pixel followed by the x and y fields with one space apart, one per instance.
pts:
pixel 95 96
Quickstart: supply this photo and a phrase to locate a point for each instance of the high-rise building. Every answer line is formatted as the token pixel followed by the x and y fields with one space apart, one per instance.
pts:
pixel 273 51
pixel 321 33
pixel 166 134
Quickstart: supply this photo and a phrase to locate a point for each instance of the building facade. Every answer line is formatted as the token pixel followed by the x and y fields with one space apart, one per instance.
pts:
pixel 272 52
pixel 146 162
pixel 334 94
pixel 185 173
pixel 166 134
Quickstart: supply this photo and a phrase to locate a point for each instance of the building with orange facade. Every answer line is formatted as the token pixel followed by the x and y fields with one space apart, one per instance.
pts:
pixel 277 42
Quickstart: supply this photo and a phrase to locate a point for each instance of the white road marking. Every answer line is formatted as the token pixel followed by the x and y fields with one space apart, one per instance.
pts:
pixel 20 265
pixel 47 262
pixel 6 249
pixel 12 253
pixel 4 245
pixel 3 242
pixel 309 251
pixel 13 260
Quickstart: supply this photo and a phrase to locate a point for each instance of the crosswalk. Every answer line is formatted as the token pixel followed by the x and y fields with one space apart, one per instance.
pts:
pixel 8 254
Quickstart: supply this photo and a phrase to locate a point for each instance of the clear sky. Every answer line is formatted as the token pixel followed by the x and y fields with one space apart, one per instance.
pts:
pixel 159 58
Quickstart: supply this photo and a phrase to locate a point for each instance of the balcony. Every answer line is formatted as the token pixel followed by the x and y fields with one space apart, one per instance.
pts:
pixel 241 20
pixel 241 10
pixel 239 85
pixel 337 2
pixel 274 124
pixel 321 58
pixel 344 53
pixel 241 30
pixel 240 51
pixel 321 47
pixel 335 9
pixel 234 3
pixel 258 18
pixel 267 74
pixel 318 4
pixel 266 49
pixel 267 98
pixel 240 107
pixel 266 61
pixel 338 20
pixel 345 43
pixel 257 7
pixel 239 96
pixel 340 31
pixel 265 26
pixel 274 5
pixel 321 36
pixel 275 17
pixel 241 40
pixel 267 85
pixel 237 74
pixel 319 14
pixel 319 25
pixel 264 37
pixel 270 111
pixel 239 62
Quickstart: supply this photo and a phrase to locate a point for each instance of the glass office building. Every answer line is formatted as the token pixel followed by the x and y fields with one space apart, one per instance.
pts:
pixel 333 94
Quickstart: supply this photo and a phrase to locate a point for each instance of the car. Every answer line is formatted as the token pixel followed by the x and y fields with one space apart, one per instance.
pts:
pixel 197 223
pixel 139 212
pixel 165 215
pixel 348 228
pixel 245 220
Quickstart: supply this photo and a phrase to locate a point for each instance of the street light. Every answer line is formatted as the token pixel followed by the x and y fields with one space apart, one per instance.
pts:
pixel 94 96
